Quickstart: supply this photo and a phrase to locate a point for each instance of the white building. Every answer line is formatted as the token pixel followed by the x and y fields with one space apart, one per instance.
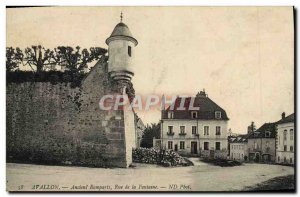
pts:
pixel 200 132
pixel 285 143
pixel 239 148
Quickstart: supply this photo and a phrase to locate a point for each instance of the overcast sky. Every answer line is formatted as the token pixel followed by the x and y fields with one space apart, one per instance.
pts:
pixel 242 56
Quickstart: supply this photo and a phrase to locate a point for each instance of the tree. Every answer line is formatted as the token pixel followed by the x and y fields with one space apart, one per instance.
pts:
pixel 252 127
pixel 39 57
pixel 76 60
pixel 150 132
pixel 14 57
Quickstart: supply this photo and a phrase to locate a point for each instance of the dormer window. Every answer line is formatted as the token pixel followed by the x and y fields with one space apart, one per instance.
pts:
pixel 218 115
pixel 170 115
pixel 268 134
pixel 194 115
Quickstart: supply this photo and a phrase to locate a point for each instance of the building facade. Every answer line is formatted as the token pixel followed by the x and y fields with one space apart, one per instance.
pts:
pixel 239 148
pixel 261 143
pixel 285 144
pixel 200 132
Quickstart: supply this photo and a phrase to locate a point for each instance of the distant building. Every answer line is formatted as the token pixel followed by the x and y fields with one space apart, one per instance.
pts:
pixel 261 143
pixel 239 148
pixel 230 138
pixel 139 129
pixel 285 145
pixel 200 132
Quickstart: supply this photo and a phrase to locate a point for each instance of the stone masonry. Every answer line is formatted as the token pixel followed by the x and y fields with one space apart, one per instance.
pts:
pixel 71 117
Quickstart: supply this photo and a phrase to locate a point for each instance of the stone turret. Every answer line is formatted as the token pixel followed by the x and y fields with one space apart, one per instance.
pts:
pixel 121 46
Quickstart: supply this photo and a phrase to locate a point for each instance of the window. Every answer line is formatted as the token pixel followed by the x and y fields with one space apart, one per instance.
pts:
pixel 170 145
pixel 285 148
pixel 129 51
pixel 182 145
pixel 284 135
pixel 194 130
pixel 218 130
pixel 170 129
pixel 278 159
pixel 206 130
pixel 218 115
pixel 284 159
pixel 194 115
pixel 255 145
pixel 291 148
pixel 291 160
pixel 170 115
pixel 218 145
pixel 182 129
pixel 206 145
pixel 268 134
pixel 291 134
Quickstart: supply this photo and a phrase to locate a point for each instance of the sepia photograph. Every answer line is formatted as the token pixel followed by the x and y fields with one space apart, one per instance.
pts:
pixel 150 99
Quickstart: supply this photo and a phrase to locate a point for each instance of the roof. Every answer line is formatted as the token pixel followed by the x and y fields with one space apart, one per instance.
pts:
pixel 287 119
pixel 261 132
pixel 121 31
pixel 240 139
pixel 206 112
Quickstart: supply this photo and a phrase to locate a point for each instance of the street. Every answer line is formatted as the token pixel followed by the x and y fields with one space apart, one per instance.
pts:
pixel 143 177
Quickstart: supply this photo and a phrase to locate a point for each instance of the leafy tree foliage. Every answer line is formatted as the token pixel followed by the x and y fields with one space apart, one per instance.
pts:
pixel 14 58
pixel 251 127
pixel 75 60
pixel 39 57
pixel 150 132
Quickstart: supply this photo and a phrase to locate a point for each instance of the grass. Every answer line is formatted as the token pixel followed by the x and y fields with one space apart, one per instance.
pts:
pixel 282 183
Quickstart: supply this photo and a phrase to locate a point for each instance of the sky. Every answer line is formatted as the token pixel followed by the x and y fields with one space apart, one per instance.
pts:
pixel 242 56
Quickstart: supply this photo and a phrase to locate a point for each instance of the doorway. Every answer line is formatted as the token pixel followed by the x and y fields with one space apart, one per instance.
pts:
pixel 194 149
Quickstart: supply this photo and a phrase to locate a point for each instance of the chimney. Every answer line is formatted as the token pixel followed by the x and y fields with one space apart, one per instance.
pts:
pixel 201 94
pixel 283 115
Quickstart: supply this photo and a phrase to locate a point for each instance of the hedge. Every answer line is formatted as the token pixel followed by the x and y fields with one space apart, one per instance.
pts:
pixel 160 157
pixel 53 77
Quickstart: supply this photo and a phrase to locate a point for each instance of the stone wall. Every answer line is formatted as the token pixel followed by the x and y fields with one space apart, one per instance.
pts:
pixel 58 124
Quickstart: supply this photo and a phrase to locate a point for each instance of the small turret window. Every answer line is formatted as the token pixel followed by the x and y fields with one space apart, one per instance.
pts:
pixel 129 51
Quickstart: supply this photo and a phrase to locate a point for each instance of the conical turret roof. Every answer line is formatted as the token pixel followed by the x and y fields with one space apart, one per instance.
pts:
pixel 121 32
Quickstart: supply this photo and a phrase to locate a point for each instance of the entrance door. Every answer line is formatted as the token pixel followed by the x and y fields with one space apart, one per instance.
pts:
pixel 176 147
pixel 256 157
pixel 194 149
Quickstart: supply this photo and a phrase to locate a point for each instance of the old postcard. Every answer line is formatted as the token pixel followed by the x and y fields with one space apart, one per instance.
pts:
pixel 150 99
